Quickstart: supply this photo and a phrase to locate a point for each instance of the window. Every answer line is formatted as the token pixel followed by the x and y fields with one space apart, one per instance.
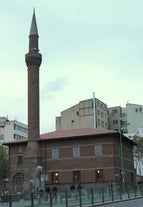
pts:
pixel 16 136
pixel 20 128
pixel 114 111
pixel 55 177
pixel 98 121
pixel 124 114
pixel 1 137
pixel 76 152
pixel 98 111
pixel 98 150
pixel 99 174
pixel 20 161
pixel 77 113
pixel 18 179
pixel 76 176
pixel 55 154
pixel 19 149
pixel 115 121
pixel 102 124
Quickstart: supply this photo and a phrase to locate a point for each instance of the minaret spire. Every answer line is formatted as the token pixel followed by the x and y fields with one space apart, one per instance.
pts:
pixel 33 29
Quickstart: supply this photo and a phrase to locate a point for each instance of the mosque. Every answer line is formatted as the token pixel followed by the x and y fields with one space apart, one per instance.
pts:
pixel 88 156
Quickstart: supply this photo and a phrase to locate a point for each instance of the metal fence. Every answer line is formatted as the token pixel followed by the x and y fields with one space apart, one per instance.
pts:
pixel 83 197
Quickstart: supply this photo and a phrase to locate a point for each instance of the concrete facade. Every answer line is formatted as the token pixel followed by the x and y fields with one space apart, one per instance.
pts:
pixel 133 114
pixel 82 114
pixel 12 130
pixel 115 118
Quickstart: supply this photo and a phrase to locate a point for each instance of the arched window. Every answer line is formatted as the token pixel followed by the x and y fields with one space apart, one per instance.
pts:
pixel 18 179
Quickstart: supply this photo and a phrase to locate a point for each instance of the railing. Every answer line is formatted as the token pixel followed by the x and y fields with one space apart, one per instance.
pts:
pixel 83 197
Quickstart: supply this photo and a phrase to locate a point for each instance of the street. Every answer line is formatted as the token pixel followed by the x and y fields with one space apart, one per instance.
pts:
pixel 130 203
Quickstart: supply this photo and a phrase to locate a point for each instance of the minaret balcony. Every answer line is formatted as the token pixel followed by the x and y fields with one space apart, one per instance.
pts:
pixel 33 59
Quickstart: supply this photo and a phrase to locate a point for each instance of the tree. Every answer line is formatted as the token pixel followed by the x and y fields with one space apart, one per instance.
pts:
pixel 138 153
pixel 3 165
pixel 139 148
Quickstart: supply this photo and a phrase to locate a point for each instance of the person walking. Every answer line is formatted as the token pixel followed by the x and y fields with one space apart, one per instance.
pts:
pixel 54 193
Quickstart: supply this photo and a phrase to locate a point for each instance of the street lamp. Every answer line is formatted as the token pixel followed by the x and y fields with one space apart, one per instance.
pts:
pixel 122 158
pixel 122 162
pixel 39 170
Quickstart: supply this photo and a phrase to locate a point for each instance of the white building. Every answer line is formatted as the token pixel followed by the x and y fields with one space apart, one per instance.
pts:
pixel 132 116
pixel 12 130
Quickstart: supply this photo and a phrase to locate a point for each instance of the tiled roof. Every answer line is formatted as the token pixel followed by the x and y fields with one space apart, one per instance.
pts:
pixel 75 133
pixel 67 134
pixel 24 140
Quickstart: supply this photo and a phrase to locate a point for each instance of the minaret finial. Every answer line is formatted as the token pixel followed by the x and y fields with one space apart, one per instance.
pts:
pixel 34 30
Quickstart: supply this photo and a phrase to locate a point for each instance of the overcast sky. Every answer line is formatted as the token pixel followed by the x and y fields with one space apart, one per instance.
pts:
pixel 87 46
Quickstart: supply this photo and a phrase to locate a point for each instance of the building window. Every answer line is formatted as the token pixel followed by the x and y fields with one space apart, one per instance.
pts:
pixel 20 161
pixel 102 124
pixel 72 122
pixel 115 121
pixel 55 154
pixel 55 177
pixel 16 136
pixel 77 113
pixel 114 111
pixel 76 176
pixel 99 175
pixel 124 114
pixel 1 137
pixel 98 122
pixel 18 179
pixel 76 152
pixel 98 150
pixel 19 149
pixel 20 128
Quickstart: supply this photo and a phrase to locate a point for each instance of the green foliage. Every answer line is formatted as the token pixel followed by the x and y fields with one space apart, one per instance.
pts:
pixel 3 162
pixel 138 150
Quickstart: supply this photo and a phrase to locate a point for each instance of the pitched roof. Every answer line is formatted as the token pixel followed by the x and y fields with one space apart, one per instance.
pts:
pixel 75 133
pixel 66 134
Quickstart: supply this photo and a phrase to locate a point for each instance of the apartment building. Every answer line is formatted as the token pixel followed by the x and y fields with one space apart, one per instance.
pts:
pixel 12 130
pixel 132 116
pixel 90 113
pixel 115 118
pixel 128 119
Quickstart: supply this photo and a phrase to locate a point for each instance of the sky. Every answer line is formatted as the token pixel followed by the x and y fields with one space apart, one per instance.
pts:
pixel 86 45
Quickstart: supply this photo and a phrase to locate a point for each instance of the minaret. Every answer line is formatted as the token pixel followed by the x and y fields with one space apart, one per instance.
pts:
pixel 33 61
